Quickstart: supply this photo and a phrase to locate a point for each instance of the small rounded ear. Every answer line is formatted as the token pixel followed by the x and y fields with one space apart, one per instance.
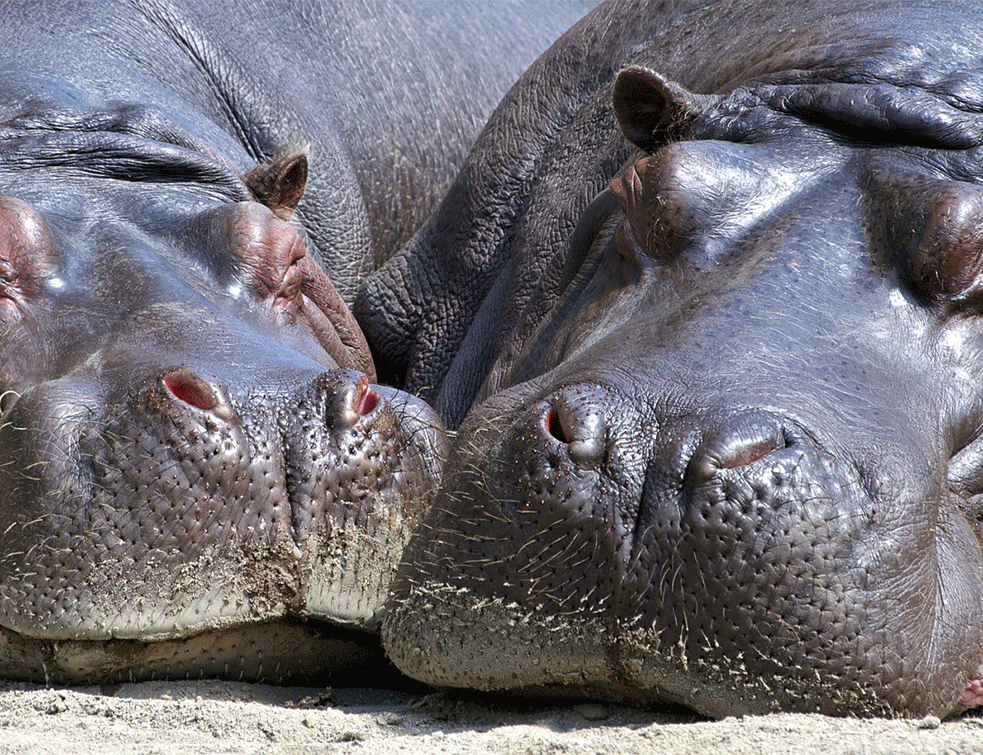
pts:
pixel 280 184
pixel 652 110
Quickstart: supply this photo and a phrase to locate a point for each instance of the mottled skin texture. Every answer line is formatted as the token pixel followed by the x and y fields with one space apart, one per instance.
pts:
pixel 197 475
pixel 723 422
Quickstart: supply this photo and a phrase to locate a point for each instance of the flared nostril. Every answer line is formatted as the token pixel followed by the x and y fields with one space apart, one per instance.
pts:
pixel 738 442
pixel 576 419
pixel 553 425
pixel 195 391
pixel 190 389
pixel 355 399
pixel 365 399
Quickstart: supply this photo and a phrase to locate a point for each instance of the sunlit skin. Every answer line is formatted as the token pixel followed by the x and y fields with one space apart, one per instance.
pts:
pixel 708 332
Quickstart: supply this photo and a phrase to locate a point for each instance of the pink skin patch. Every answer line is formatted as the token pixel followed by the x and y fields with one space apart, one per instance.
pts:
pixel 745 456
pixel 973 694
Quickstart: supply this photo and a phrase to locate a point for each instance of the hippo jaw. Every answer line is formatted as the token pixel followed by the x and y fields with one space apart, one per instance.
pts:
pixel 738 469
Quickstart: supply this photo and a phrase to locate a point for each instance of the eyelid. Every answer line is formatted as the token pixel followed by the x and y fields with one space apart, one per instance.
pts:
pixel 931 230
pixel 952 241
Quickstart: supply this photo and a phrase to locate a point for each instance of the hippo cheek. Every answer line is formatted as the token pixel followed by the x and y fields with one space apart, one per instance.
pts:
pixel 357 493
pixel 726 561
pixel 797 581
pixel 488 563
pixel 183 509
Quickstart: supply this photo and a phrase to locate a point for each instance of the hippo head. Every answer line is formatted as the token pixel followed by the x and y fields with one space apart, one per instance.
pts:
pixel 739 464
pixel 197 475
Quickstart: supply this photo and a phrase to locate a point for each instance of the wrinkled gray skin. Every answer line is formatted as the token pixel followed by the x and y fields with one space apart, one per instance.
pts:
pixel 723 443
pixel 197 476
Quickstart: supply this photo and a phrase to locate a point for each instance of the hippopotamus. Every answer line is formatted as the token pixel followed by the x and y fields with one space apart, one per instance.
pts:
pixel 199 475
pixel 704 304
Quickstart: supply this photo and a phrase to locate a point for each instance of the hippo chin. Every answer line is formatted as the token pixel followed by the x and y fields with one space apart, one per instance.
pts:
pixel 199 474
pixel 724 434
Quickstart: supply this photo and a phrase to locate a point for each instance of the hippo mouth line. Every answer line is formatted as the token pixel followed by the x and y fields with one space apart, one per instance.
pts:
pixel 178 511
pixel 287 651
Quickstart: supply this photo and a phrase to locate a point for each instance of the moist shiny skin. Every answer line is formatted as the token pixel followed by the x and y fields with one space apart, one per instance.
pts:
pixel 193 464
pixel 706 320
pixel 199 472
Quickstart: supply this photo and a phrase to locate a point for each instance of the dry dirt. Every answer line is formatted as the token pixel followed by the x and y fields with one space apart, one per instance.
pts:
pixel 222 717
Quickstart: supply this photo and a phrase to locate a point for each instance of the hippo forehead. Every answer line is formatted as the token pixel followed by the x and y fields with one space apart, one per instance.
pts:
pixel 920 45
pixel 731 176
pixel 903 78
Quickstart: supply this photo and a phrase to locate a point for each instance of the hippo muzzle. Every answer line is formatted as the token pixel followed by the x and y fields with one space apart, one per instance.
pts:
pixel 737 466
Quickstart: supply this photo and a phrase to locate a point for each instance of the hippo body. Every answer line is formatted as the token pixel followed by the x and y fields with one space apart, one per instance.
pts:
pixel 198 476
pixel 720 380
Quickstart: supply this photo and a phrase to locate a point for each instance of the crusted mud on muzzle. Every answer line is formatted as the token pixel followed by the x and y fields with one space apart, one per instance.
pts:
pixel 188 529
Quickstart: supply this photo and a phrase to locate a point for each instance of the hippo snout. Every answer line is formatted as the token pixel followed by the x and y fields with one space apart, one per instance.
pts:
pixel 663 550
pixel 182 503
pixel 656 481
pixel 576 421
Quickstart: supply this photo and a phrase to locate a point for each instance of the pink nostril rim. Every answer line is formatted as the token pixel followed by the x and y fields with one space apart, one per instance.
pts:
pixel 554 426
pixel 191 389
pixel 748 455
pixel 366 399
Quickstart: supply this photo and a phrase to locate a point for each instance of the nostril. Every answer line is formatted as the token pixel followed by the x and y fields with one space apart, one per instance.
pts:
pixel 576 419
pixel 365 399
pixel 742 456
pixel 554 426
pixel 351 399
pixel 738 442
pixel 191 389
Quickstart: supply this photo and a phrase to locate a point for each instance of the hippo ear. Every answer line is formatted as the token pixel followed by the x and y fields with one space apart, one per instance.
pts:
pixel 280 184
pixel 652 109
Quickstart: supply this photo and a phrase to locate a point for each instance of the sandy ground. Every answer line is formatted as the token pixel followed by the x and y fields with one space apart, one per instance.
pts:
pixel 222 717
